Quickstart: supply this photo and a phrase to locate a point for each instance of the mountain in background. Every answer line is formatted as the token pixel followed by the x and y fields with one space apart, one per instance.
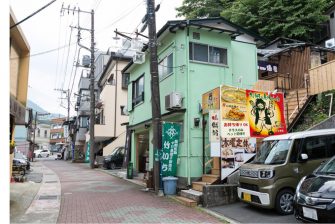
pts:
pixel 35 107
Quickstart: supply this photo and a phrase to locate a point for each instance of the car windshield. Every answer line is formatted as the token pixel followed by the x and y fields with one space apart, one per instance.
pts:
pixel 327 168
pixel 273 152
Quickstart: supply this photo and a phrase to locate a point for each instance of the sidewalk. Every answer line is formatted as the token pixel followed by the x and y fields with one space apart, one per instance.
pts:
pixel 33 202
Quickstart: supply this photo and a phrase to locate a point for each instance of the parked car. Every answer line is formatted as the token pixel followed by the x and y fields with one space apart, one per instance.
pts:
pixel 19 165
pixel 24 158
pixel 314 200
pixel 270 180
pixel 41 153
pixel 115 159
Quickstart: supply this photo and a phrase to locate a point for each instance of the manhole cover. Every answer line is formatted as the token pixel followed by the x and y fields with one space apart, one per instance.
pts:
pixel 52 181
pixel 48 197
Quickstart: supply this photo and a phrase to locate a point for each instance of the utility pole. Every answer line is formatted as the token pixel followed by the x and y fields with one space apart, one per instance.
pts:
pixel 67 98
pixel 92 94
pixel 155 94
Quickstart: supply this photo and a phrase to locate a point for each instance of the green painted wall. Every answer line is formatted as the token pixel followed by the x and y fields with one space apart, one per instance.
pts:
pixel 192 79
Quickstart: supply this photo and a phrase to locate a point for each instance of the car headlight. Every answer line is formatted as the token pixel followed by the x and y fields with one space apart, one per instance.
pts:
pixel 265 174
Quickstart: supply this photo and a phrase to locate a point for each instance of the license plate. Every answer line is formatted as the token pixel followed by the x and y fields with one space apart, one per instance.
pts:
pixel 310 213
pixel 246 197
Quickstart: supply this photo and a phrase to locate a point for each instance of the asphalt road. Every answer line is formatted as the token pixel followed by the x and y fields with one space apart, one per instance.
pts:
pixel 245 213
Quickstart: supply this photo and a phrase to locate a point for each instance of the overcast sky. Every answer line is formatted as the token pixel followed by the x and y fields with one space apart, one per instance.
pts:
pixel 50 30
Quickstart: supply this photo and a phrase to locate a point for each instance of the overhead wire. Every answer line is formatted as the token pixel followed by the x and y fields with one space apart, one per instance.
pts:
pixel 60 22
pixel 67 59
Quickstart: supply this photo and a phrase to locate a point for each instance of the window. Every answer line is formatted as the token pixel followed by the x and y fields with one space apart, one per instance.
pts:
pixel 45 133
pixel 208 54
pixel 295 150
pixel 331 146
pixel 125 80
pixel 165 67
pixel 83 122
pixel 138 90
pixel 315 147
pixel 123 112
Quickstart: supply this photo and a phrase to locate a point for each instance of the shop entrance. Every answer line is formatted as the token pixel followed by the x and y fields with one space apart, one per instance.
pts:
pixel 142 152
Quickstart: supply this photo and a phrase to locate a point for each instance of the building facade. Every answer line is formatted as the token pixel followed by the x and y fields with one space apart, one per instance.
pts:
pixel 195 56
pixel 111 108
pixel 19 73
pixel 57 132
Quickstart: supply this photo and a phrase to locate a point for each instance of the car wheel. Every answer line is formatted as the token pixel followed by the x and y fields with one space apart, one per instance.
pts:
pixel 112 166
pixel 39 156
pixel 47 155
pixel 284 202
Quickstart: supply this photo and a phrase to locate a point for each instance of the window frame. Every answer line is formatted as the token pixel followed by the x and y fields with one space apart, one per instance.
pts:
pixel 137 99
pixel 191 54
pixel 163 76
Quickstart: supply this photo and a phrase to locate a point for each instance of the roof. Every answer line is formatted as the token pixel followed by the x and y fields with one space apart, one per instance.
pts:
pixel 302 134
pixel 205 23
pixel 114 56
pixel 330 9
pixel 284 45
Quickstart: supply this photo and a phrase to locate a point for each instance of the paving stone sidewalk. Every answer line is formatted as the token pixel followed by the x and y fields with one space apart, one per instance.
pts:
pixel 92 196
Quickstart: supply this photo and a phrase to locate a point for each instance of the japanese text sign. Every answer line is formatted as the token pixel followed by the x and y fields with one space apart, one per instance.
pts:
pixel 170 142
pixel 234 121
pixel 214 132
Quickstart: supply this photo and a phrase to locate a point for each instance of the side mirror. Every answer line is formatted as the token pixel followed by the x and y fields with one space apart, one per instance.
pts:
pixel 303 157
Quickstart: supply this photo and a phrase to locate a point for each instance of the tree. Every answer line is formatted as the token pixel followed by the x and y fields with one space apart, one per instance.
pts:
pixel 192 9
pixel 298 19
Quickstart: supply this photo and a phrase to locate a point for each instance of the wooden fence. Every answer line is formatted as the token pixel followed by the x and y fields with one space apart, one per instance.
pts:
pixel 322 78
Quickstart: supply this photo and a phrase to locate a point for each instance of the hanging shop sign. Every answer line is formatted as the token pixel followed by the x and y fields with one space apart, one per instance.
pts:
pixel 211 100
pixel 234 120
pixel 265 113
pixel 17 110
pixel 234 153
pixel 214 132
pixel 170 142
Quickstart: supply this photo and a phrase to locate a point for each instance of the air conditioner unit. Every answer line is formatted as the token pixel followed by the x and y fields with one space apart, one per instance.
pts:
pixel 173 101
pixel 330 43
pixel 139 58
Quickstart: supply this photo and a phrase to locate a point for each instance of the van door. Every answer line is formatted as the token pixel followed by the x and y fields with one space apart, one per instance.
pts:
pixel 316 149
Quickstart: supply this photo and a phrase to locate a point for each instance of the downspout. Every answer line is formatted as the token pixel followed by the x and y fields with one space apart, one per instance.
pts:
pixel 116 71
pixel 188 100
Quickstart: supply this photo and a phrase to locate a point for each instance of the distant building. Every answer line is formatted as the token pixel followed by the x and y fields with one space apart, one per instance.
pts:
pixel 57 133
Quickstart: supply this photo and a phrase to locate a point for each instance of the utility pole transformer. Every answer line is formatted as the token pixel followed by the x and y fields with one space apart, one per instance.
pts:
pixel 155 94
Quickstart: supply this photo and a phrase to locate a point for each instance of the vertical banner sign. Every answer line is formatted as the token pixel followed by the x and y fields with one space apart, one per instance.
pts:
pixel 234 153
pixel 211 100
pixel 87 156
pixel 214 132
pixel 234 120
pixel 266 113
pixel 170 142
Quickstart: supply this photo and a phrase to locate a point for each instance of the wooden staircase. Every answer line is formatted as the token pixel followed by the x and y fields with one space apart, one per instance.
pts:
pixel 294 102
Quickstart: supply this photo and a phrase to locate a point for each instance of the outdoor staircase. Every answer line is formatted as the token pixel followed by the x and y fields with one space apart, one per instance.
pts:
pixel 295 101
pixel 193 197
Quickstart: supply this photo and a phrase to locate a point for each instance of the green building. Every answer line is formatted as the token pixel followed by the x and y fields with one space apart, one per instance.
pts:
pixel 195 56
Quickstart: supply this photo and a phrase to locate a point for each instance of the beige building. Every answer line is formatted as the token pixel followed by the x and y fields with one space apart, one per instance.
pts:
pixel 110 129
pixel 19 72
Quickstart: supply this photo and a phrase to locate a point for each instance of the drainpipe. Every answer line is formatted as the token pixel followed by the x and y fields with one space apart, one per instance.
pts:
pixel 115 96
pixel 188 100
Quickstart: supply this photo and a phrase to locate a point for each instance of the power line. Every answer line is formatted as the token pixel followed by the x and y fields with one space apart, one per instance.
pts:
pixel 32 14
pixel 67 60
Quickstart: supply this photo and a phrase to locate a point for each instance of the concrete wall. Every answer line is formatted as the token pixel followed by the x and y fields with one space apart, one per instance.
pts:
pixel 215 195
pixel 329 123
